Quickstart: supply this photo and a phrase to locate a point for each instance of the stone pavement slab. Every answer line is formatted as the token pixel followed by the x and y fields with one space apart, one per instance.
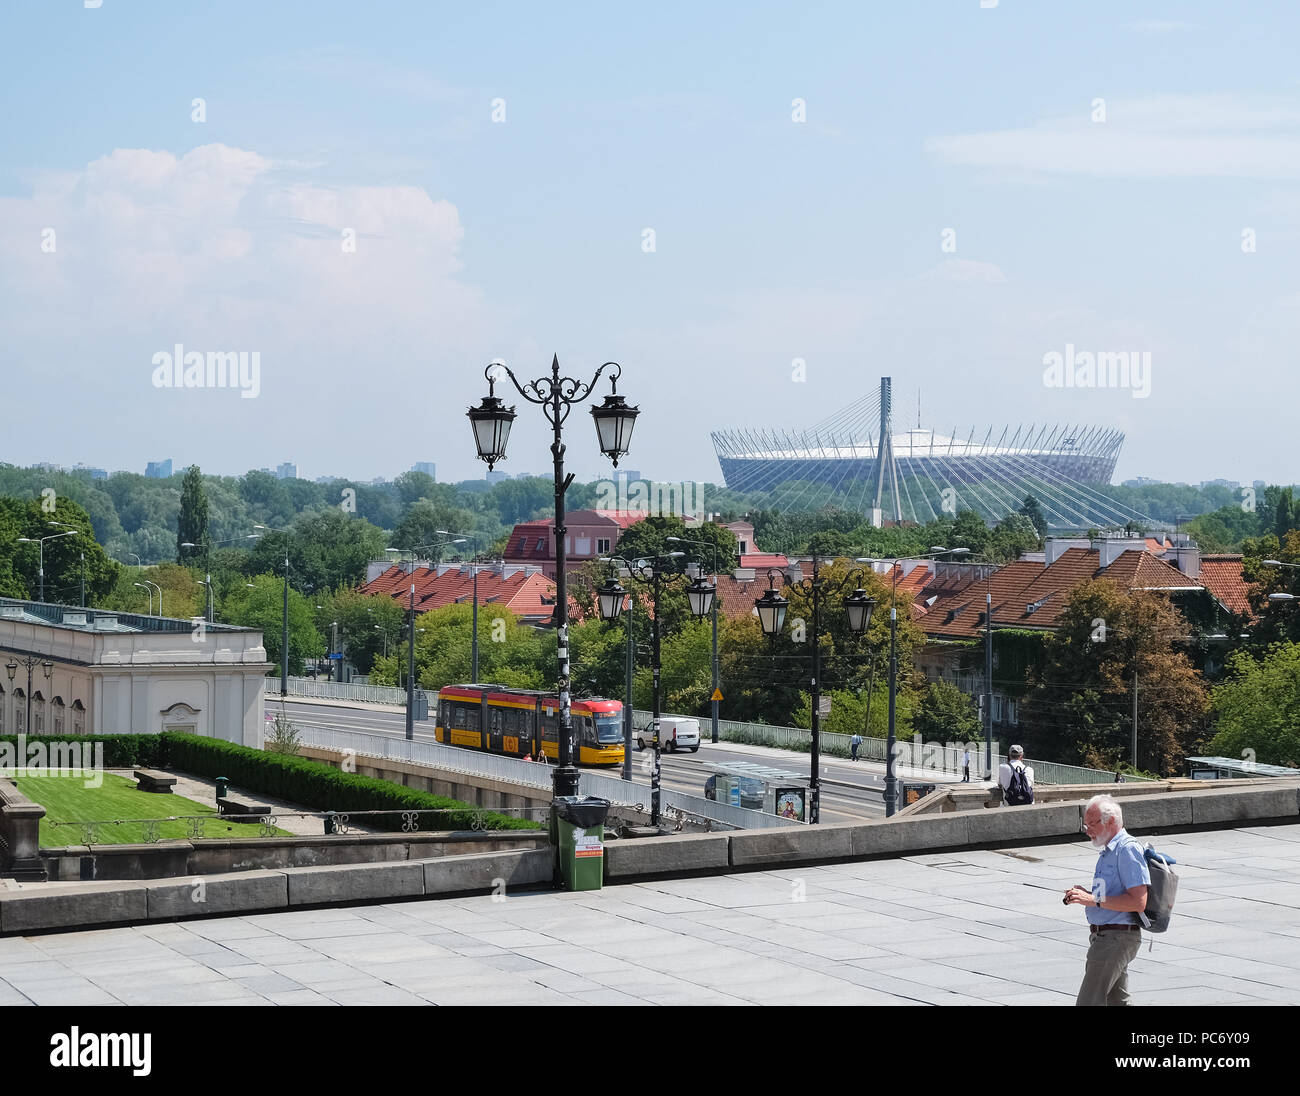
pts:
pixel 979 927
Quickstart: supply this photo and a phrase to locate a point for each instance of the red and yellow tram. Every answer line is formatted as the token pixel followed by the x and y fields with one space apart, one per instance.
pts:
pixel 524 722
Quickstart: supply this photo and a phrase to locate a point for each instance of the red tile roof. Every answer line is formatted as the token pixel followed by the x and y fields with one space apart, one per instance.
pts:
pixel 1221 575
pixel 764 560
pixel 528 596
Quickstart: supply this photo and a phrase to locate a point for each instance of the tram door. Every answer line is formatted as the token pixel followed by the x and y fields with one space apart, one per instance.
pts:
pixel 495 729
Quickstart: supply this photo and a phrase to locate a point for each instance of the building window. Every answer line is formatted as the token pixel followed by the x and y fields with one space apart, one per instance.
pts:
pixel 744 547
pixel 541 544
pixel 57 705
pixel 38 714
pixel 602 546
pixel 20 711
pixel 78 717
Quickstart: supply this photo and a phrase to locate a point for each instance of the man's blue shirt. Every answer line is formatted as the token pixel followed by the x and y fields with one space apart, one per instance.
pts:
pixel 1120 866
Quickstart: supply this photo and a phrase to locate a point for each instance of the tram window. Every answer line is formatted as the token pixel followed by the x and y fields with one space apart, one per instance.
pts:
pixel 464 716
pixel 549 725
pixel 495 719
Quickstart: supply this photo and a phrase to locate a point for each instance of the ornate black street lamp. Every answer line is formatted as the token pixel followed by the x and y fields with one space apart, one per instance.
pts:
pixel 891 778
pixel 713 549
pixel 771 608
pixel 31 662
pixel 614 420
pixel 652 572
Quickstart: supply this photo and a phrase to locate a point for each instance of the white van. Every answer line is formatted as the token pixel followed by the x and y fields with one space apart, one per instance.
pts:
pixel 675 732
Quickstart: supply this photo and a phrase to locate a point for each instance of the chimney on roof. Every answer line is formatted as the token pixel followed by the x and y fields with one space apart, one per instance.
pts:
pixel 1189 560
pixel 1109 549
pixel 1055 547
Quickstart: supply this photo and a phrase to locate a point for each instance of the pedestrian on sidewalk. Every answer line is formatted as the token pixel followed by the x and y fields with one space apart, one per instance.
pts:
pixel 1016 779
pixel 1118 893
pixel 854 743
pixel 965 766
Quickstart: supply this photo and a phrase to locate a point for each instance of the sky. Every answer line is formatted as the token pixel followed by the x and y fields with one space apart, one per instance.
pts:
pixel 758 210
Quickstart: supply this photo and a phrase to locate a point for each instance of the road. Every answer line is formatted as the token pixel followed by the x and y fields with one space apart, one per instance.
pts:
pixel 851 791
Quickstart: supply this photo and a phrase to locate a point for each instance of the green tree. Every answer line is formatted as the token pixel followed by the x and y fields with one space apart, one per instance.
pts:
pixel 946 714
pixel 20 562
pixel 263 607
pixel 363 622
pixel 1033 510
pixel 1013 536
pixel 192 524
pixel 1080 708
pixel 1258 708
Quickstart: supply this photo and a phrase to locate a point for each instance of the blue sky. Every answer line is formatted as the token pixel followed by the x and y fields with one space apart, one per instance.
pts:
pixel 775 240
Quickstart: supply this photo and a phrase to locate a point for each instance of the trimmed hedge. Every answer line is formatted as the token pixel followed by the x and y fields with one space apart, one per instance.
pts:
pixel 323 787
pixel 121 751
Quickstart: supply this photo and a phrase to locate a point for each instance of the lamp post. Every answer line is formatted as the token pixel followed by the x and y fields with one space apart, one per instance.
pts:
pixel 651 572
pixel 614 419
pixel 891 780
pixel 410 669
pixel 40 541
pixel 771 616
pixel 473 570
pixel 284 626
pixel 147 591
pixel 31 662
pixel 713 702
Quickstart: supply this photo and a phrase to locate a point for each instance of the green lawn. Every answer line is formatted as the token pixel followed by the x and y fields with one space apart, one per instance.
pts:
pixel 67 799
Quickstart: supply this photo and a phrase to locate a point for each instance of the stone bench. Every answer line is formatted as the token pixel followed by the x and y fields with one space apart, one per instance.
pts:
pixel 234 806
pixel 151 780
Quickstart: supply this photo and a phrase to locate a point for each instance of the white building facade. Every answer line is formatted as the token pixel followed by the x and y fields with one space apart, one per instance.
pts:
pixel 87 671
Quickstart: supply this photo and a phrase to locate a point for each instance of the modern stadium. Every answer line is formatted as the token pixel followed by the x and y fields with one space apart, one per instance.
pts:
pixel 857 460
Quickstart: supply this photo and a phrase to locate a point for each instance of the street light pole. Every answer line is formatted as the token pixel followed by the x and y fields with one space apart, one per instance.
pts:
pixel 31 662
pixel 410 669
pixel 284 633
pixel 713 700
pixel 891 778
pixel 771 615
pixel 40 543
pixel 700 596
pixel 614 420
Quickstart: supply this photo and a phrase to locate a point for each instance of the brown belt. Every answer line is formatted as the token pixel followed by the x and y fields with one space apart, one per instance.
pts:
pixel 1106 928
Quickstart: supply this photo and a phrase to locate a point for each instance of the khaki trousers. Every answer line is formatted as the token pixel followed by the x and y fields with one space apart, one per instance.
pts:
pixel 1105 978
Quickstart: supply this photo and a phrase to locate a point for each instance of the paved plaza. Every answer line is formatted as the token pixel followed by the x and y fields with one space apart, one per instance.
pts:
pixel 983 927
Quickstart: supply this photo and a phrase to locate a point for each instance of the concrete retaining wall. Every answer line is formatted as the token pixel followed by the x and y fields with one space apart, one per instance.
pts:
pixel 177 859
pixel 41 907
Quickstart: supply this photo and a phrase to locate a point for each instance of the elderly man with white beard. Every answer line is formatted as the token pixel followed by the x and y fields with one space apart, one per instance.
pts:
pixel 1118 893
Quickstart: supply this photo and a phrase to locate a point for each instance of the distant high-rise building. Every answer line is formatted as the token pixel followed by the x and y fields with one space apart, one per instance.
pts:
pixel 1220 483
pixel 159 469
pixel 287 470
pixel 496 477
pixel 427 467
pixel 95 473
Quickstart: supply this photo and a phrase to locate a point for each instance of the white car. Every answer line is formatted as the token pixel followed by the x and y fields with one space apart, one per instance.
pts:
pixel 675 732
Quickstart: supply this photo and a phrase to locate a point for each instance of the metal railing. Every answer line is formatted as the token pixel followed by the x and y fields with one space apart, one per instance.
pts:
pixel 934 756
pixel 625 793
pixel 450 758
pixel 338 690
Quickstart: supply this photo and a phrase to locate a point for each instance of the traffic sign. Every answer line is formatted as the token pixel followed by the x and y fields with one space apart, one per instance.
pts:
pixel 717 694
pixel 336 654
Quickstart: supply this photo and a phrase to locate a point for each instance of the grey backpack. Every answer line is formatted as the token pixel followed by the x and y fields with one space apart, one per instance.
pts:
pixel 1162 891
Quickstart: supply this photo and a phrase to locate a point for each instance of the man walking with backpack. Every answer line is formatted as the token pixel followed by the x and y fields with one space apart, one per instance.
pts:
pixel 1118 892
pixel 1016 779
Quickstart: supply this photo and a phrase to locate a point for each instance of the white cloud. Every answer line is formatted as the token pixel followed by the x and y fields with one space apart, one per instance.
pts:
pixel 220 249
pixel 1188 136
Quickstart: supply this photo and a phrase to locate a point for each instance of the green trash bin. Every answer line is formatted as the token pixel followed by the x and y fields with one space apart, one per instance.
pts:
pixel 577 831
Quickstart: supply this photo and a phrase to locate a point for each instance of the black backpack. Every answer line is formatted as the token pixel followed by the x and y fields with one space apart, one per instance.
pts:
pixel 1018 790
